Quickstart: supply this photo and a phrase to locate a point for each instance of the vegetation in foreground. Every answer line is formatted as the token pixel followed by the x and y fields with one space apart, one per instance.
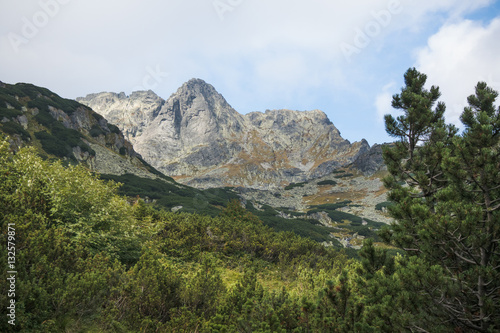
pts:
pixel 88 261
pixel 34 116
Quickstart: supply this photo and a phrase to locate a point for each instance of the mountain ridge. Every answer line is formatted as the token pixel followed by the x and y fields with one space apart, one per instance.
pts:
pixel 196 137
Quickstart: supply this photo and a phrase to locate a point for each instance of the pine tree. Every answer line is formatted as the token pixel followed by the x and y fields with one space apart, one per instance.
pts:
pixel 446 190
pixel 471 213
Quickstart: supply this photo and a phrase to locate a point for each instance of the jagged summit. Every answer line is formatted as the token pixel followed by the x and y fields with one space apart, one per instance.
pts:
pixel 196 136
pixel 197 82
pixel 198 87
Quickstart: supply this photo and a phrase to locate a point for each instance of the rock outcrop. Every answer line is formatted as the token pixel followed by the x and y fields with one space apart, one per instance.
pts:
pixel 371 161
pixel 133 113
pixel 198 138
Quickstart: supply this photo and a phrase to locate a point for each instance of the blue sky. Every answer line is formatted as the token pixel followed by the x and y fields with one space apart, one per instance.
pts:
pixel 346 59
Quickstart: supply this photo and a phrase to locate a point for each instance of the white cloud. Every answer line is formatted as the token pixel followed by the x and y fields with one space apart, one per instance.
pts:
pixel 135 34
pixel 261 54
pixel 457 57
pixel 383 101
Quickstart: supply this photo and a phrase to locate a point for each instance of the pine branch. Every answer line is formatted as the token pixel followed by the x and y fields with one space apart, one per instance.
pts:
pixel 419 329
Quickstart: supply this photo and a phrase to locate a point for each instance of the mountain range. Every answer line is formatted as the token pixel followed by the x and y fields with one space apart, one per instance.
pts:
pixel 65 130
pixel 196 137
pixel 292 169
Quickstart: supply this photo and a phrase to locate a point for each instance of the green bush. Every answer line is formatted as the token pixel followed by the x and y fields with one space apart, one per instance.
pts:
pixel 96 130
pixel 12 128
pixel 42 98
pixel 169 194
pixel 45 119
pixel 384 204
pixel 294 185
pixel 327 182
pixel 114 129
pixel 330 206
pixel 9 113
pixel 61 142
pixel 308 228
pixel 9 99
pixel 153 170
pixel 97 116
pixel 344 175
pixel 53 146
pixel 302 227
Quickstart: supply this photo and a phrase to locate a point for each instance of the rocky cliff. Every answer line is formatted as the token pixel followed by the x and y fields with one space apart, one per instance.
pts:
pixel 199 139
pixel 371 161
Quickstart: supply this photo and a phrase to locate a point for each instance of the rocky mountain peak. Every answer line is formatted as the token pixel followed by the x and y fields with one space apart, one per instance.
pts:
pixel 133 113
pixel 197 84
pixel 197 137
pixel 196 96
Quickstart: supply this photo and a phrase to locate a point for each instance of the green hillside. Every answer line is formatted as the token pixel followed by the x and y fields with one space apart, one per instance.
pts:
pixel 27 115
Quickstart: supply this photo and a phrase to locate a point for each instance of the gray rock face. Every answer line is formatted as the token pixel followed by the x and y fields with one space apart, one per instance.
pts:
pixel 371 161
pixel 133 113
pixel 198 138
